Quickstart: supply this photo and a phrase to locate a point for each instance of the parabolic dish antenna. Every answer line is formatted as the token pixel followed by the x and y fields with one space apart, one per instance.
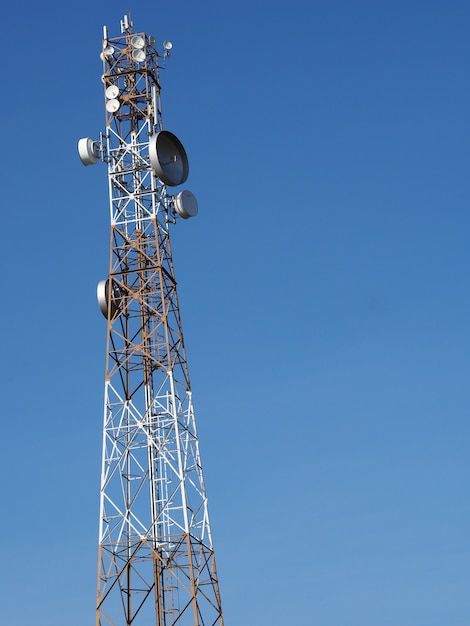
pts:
pixel 137 42
pixel 108 52
pixel 112 92
pixel 112 105
pixel 102 293
pixel 186 204
pixel 152 41
pixel 87 151
pixel 168 158
pixel 138 55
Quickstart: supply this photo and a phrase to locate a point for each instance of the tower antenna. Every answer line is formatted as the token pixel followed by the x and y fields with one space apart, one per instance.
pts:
pixel 156 560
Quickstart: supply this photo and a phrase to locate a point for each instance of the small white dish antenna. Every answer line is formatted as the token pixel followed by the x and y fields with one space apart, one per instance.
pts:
pixel 112 105
pixel 88 151
pixel 137 42
pixel 152 41
pixel 138 55
pixel 168 158
pixel 167 46
pixel 108 52
pixel 186 204
pixel 112 92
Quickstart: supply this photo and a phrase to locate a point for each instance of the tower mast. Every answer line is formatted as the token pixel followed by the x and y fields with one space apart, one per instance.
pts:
pixel 156 560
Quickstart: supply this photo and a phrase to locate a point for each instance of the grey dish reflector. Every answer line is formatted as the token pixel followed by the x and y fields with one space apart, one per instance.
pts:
pixel 186 204
pixel 102 293
pixel 168 158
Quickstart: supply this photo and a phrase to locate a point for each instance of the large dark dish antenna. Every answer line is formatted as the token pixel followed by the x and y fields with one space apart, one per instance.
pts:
pixel 168 158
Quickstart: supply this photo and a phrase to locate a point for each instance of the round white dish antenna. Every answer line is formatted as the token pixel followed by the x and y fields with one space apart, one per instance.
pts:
pixel 137 42
pixel 107 52
pixel 102 293
pixel 186 204
pixel 167 45
pixel 112 105
pixel 168 158
pixel 138 55
pixel 87 151
pixel 112 92
pixel 152 41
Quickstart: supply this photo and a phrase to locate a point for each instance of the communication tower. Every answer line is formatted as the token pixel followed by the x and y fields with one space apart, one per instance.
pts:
pixel 156 560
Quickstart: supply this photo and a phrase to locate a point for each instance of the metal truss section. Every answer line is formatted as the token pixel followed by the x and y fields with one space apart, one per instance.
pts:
pixel 156 559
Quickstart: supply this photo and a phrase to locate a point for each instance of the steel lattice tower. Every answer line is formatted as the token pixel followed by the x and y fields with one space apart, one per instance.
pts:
pixel 156 560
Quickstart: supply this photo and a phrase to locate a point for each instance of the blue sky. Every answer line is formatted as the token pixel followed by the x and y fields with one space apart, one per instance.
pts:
pixel 324 294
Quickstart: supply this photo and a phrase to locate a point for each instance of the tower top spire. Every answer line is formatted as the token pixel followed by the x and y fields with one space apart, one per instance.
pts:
pixel 126 25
